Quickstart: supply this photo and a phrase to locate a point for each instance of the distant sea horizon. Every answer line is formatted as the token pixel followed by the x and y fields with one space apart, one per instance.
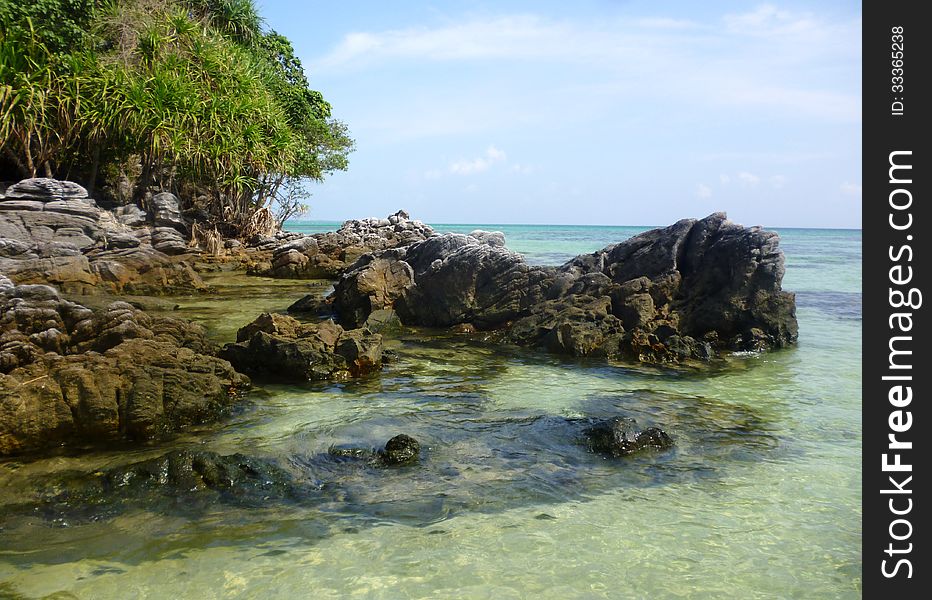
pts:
pixel 556 244
pixel 302 223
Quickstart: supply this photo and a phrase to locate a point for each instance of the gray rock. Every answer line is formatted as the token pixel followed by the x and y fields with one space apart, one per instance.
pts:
pixel 166 212
pixel 130 215
pixel 667 295
pixel 492 238
pixel 46 190
pixel 329 255
pixel 169 241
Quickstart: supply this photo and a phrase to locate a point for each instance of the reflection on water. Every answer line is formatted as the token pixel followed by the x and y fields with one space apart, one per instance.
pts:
pixel 759 498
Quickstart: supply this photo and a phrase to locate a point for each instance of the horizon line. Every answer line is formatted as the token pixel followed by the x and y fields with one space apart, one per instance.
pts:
pixel 329 221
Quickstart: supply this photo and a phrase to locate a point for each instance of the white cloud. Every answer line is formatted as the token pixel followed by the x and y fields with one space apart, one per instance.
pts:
pixel 501 37
pixel 850 189
pixel 777 181
pixel 523 169
pixel 494 154
pixel 769 20
pixel 748 178
pixel 703 191
pixel 725 179
pixel 633 58
pixel 477 165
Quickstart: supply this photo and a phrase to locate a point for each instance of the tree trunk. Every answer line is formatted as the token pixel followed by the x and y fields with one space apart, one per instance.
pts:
pixel 18 161
pixel 95 164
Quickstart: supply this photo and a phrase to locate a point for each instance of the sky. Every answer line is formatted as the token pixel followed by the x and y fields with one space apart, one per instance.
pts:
pixel 594 112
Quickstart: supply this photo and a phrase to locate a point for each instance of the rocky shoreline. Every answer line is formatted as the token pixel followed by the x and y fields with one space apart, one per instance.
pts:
pixel 75 375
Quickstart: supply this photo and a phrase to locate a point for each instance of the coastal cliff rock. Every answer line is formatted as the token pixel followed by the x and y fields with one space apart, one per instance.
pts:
pixel 69 374
pixel 327 255
pixel 666 295
pixel 279 346
pixel 51 232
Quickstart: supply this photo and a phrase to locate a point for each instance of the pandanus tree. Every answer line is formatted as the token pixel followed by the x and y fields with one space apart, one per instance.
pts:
pixel 207 103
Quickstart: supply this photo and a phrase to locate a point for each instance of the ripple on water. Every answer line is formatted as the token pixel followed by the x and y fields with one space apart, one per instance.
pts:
pixel 759 498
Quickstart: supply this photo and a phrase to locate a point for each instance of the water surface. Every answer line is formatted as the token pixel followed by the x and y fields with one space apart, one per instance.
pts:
pixel 759 499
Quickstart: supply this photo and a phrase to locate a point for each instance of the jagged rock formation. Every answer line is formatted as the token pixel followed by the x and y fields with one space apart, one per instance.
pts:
pixel 670 294
pixel 326 255
pixel 281 347
pixel 69 374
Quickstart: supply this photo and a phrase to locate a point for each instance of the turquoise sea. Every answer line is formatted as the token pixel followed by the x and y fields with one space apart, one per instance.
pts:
pixel 761 497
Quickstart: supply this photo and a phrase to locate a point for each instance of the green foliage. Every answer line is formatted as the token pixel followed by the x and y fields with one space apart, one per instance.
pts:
pixel 207 103
pixel 238 20
pixel 59 25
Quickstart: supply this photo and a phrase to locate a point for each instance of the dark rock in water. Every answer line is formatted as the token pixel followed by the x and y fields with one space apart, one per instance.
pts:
pixel 353 453
pixel 372 285
pixel 281 347
pixel 400 449
pixel 384 320
pixel 188 475
pixel 458 279
pixel 69 374
pixel 667 295
pixel 314 305
pixel 620 437
pixel 493 462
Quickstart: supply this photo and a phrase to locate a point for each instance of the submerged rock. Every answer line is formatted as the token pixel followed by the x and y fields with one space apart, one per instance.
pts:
pixel 494 462
pixel 279 346
pixel 667 295
pixel 618 436
pixel 71 375
pixel 182 478
pixel 399 450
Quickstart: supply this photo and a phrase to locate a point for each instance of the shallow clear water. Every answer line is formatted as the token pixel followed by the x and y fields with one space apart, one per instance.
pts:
pixel 759 499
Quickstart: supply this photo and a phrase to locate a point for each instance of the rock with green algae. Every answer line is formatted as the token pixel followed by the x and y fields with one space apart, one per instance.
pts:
pixel 72 375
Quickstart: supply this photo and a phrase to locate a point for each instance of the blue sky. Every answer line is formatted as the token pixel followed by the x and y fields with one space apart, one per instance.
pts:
pixel 589 112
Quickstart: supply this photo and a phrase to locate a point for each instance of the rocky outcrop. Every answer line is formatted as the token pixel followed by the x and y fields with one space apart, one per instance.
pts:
pixel 666 295
pixel 51 232
pixel 71 375
pixel 327 255
pixel 372 285
pixel 281 347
